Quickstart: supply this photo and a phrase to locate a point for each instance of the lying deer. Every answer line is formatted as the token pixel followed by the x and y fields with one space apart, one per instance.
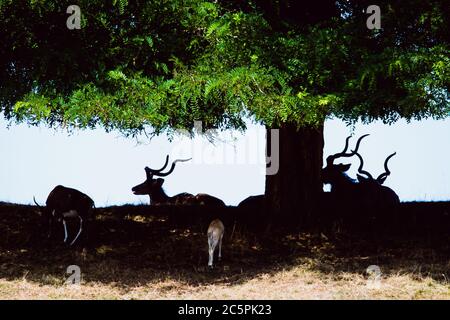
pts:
pixel 153 188
pixel 215 236
pixel 63 203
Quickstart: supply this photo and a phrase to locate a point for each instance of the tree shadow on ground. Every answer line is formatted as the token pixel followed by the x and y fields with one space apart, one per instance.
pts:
pixel 134 245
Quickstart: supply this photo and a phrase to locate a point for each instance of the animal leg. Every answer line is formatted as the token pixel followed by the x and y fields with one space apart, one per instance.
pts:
pixel 212 246
pixel 79 231
pixel 220 247
pixel 49 234
pixel 65 230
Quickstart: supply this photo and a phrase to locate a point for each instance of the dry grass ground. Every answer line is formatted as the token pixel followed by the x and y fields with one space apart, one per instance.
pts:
pixel 134 253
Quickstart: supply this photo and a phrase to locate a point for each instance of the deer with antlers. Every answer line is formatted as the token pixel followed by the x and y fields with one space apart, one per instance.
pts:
pixel 366 194
pixel 153 188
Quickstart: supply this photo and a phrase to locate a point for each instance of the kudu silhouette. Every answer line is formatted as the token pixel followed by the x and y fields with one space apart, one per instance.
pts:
pixel 356 200
pixel 153 188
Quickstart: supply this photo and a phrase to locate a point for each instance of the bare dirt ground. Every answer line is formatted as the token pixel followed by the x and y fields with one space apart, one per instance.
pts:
pixel 137 253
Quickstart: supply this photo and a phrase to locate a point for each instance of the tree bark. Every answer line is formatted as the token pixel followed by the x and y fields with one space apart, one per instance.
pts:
pixel 292 193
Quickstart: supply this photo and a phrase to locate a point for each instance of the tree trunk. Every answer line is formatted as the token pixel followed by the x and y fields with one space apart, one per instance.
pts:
pixel 292 193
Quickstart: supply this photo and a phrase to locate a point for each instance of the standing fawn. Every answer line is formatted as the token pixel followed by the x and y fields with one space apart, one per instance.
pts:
pixel 215 235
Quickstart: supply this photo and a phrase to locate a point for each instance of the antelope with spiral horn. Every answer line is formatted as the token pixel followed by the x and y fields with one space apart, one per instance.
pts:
pixel 153 188
pixel 361 196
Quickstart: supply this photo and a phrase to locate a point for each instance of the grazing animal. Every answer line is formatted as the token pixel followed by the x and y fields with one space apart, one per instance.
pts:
pixel 365 196
pixel 153 188
pixel 63 203
pixel 215 236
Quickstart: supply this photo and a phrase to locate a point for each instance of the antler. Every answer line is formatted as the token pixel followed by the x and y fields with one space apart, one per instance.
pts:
pixel 384 175
pixel 343 154
pixel 159 174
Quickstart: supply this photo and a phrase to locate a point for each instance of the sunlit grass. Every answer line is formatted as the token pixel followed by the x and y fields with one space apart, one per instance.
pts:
pixel 135 255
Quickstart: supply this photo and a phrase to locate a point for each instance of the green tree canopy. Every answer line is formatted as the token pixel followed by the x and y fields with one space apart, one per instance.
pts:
pixel 165 64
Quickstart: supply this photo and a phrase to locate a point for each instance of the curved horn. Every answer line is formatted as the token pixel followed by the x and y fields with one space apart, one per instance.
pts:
pixel 358 142
pixel 384 175
pixel 333 157
pixel 159 170
pixel 361 164
pixel 343 154
pixel 159 174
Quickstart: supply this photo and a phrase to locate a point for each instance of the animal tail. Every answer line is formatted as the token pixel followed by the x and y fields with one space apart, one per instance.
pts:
pixel 213 238
pixel 34 199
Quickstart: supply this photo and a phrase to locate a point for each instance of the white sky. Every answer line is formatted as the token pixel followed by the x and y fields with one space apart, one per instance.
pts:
pixel 106 165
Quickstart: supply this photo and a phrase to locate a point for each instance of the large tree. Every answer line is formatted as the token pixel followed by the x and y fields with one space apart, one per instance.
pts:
pixel 161 65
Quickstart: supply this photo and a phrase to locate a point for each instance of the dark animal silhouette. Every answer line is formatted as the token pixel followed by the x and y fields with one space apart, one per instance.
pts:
pixel 63 203
pixel 153 188
pixel 384 200
pixel 251 213
pixel 351 199
pixel 252 203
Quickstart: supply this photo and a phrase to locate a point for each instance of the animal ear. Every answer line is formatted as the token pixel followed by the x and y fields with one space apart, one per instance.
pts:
pixel 381 180
pixel 344 167
pixel 361 178
pixel 159 182
pixel 148 173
